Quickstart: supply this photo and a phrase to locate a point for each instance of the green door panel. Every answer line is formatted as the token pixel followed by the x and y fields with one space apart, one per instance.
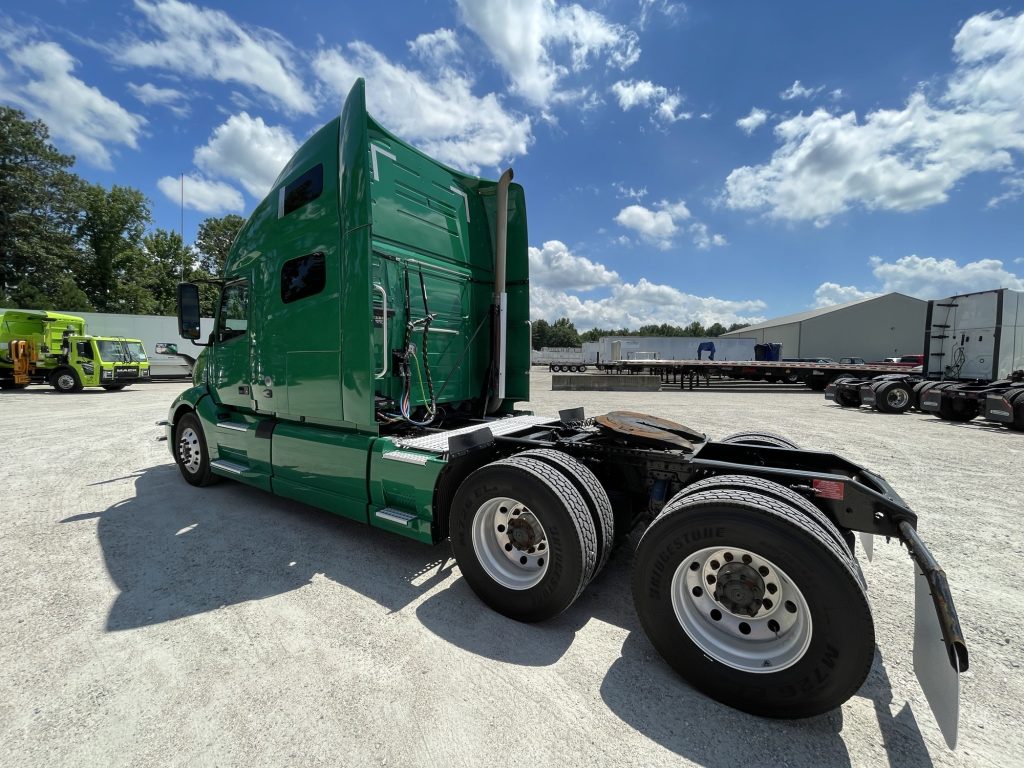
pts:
pixel 313 386
pixel 322 467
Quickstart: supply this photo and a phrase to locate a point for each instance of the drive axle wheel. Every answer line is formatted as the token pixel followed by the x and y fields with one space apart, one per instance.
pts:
pixel 893 397
pixel 523 538
pixel 766 439
pixel 728 599
pixel 753 603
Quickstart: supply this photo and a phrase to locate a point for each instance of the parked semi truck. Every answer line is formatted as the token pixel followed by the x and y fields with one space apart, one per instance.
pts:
pixel 53 348
pixel 370 345
pixel 973 364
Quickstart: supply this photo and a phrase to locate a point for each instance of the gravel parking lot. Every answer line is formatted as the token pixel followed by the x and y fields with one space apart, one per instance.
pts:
pixel 147 622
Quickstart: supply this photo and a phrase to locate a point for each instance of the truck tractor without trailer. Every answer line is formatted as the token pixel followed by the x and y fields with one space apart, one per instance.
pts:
pixel 371 341
pixel 974 365
pixel 51 348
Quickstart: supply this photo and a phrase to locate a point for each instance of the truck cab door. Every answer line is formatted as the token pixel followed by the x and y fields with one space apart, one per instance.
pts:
pixel 231 369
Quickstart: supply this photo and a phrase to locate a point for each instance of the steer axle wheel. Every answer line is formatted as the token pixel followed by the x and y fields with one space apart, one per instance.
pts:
pixel 754 603
pixel 66 380
pixel 523 537
pixel 190 452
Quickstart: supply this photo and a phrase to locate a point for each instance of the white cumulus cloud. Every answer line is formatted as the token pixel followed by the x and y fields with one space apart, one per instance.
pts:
pixel 753 121
pixel 200 194
pixel 43 84
pixel 631 305
pixel 800 91
pixel 827 294
pixel 437 111
pixel 905 158
pixel 209 44
pixel 538 42
pixel 657 226
pixel 664 104
pixel 555 267
pixel 926 278
pixel 247 150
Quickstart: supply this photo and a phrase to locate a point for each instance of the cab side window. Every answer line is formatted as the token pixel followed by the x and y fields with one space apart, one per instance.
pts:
pixel 84 350
pixel 233 319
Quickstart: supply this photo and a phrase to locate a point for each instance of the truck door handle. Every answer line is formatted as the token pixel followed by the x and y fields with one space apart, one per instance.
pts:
pixel 384 327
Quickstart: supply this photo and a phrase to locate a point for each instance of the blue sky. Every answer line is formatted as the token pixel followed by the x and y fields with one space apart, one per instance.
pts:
pixel 682 161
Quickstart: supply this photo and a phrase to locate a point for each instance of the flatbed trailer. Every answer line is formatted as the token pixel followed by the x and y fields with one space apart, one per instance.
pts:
pixel 817 376
pixel 370 346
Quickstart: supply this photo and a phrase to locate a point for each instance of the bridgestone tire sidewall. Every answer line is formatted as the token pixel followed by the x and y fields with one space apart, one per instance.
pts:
pixel 842 644
pixel 562 582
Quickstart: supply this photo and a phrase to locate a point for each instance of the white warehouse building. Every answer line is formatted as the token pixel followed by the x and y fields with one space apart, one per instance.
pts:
pixel 884 326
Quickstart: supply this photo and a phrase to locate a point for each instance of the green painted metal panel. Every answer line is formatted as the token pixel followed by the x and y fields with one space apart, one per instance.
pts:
pixel 329 465
pixel 404 480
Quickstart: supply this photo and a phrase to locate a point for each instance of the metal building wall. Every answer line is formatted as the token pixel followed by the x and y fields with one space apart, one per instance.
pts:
pixel 889 326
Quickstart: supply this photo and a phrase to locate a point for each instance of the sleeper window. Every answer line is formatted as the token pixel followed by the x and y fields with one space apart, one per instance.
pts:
pixel 305 189
pixel 302 277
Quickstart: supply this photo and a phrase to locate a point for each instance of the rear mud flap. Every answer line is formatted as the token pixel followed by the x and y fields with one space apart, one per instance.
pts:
pixel 998 408
pixel 830 392
pixel 930 402
pixel 867 541
pixel 867 395
pixel 939 680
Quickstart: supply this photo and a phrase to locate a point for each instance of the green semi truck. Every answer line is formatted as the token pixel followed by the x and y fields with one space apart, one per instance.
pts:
pixel 53 348
pixel 371 342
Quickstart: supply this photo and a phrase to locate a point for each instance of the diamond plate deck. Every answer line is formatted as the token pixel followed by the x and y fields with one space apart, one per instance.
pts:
pixel 438 442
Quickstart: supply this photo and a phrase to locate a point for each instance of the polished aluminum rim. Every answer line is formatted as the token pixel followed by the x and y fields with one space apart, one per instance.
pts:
pixel 510 543
pixel 897 397
pixel 65 381
pixel 741 609
pixel 189 451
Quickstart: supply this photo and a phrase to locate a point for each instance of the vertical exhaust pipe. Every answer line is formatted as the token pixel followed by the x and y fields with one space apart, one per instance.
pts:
pixel 499 310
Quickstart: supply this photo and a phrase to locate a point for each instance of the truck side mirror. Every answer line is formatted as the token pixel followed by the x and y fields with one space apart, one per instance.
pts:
pixel 188 311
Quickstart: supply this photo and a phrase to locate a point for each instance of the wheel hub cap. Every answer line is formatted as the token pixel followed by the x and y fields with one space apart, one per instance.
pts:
pixel 741 609
pixel 510 543
pixel 740 588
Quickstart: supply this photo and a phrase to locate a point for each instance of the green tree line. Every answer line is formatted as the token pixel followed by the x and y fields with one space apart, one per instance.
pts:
pixel 66 243
pixel 563 333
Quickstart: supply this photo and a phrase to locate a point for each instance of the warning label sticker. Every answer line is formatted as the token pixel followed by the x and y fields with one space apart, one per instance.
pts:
pixel 829 489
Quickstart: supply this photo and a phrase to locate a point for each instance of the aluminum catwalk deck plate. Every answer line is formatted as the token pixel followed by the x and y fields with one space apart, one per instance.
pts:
pixel 438 441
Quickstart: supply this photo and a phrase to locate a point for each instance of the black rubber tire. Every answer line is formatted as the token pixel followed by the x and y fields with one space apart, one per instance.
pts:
pixel 114 387
pixel 842 643
pixel 59 380
pixel 919 389
pixel 1017 404
pixel 888 397
pixel 779 492
pixel 593 493
pixel 573 368
pixel 847 399
pixel 567 523
pixel 765 439
pixel 583 369
pixel 951 409
pixel 202 476
pixel 790 378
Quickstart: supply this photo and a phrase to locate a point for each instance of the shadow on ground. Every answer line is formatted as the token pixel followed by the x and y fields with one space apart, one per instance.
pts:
pixel 176 551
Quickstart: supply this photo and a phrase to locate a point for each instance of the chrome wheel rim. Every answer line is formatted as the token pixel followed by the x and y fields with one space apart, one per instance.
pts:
pixel 65 381
pixel 897 397
pixel 741 609
pixel 190 453
pixel 510 543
